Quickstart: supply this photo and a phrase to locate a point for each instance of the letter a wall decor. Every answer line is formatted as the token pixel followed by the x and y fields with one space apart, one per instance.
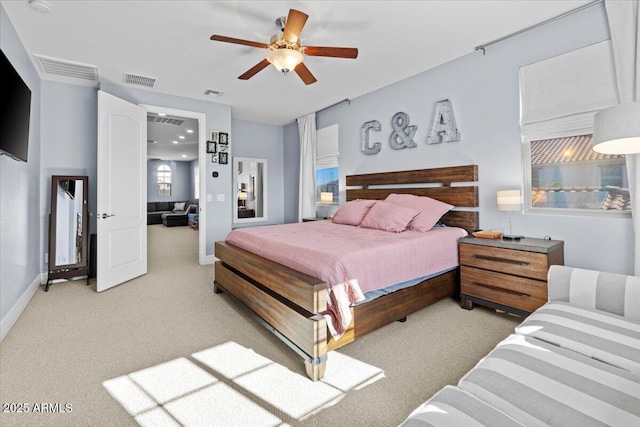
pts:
pixel 443 125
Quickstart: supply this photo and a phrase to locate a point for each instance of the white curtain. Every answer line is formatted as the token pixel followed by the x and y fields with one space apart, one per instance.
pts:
pixel 623 26
pixel 307 189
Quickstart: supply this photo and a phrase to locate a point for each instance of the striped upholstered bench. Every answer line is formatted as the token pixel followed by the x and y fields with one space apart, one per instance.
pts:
pixel 540 384
pixel 574 362
pixel 452 406
pixel 594 313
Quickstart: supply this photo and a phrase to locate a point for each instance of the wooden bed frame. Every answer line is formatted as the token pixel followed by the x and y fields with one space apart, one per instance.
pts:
pixel 288 302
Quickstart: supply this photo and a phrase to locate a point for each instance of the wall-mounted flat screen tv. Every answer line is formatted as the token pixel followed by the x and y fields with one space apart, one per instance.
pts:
pixel 15 109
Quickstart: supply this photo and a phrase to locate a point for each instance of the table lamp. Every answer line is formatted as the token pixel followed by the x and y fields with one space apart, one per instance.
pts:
pixel 510 201
pixel 242 198
pixel 326 199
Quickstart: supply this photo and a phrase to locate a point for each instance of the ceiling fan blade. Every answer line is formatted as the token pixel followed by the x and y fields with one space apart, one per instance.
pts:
pixel 254 70
pixel 293 25
pixel 305 74
pixel 225 39
pixel 334 52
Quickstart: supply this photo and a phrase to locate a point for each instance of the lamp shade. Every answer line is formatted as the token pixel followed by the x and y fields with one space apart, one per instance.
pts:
pixel 242 196
pixel 326 197
pixel 509 200
pixel 616 130
pixel 284 60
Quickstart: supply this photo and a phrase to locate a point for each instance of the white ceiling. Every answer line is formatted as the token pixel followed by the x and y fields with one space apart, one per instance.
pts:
pixel 169 41
pixel 164 140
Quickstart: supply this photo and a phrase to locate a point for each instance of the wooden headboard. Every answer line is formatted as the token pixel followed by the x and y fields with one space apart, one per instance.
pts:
pixel 435 183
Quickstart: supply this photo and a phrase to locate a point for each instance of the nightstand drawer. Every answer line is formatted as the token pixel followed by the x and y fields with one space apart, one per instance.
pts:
pixel 519 263
pixel 517 292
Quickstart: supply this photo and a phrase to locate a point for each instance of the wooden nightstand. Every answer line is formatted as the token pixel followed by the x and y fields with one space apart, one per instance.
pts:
pixel 507 275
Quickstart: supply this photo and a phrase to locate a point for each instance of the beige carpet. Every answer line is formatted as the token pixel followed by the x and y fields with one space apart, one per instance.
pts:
pixel 192 357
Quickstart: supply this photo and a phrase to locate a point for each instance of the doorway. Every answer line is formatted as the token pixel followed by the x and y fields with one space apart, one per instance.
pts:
pixel 165 127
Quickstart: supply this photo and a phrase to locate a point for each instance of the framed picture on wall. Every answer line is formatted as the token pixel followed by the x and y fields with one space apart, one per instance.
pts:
pixel 214 159
pixel 211 147
pixel 223 148
pixel 213 136
pixel 223 158
pixel 223 138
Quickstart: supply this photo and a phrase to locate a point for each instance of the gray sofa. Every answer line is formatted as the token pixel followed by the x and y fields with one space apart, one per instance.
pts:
pixel 170 213
pixel 573 362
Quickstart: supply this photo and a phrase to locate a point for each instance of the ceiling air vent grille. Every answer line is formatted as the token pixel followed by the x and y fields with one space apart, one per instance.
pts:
pixel 213 92
pixel 135 79
pixel 67 68
pixel 165 120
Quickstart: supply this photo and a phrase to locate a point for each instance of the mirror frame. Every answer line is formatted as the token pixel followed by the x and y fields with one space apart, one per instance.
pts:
pixel 84 263
pixel 263 218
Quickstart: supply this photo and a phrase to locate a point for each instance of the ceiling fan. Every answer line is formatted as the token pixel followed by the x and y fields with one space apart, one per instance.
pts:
pixel 285 51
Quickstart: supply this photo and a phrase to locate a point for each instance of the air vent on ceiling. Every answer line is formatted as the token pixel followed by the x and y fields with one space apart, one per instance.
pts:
pixel 165 120
pixel 213 92
pixel 67 68
pixel 135 79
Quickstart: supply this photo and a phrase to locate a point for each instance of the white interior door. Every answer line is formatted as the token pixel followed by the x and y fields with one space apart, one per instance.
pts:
pixel 122 191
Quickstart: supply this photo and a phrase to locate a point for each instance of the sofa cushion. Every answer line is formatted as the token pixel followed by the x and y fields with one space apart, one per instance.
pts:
pixel 538 383
pixel 151 207
pixel 179 207
pixel 608 337
pixel 164 206
pixel 454 407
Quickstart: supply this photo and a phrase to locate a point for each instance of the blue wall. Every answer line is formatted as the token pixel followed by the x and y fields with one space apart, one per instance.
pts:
pixel 181 181
pixel 20 230
pixel 485 96
pixel 291 173
pixel 263 141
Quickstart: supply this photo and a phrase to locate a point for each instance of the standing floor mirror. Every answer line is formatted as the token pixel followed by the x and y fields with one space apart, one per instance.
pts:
pixel 68 228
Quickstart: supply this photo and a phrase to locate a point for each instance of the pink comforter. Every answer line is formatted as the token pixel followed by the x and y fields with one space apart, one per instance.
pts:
pixel 351 260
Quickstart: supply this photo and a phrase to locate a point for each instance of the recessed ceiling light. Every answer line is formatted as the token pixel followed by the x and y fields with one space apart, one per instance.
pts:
pixel 40 6
pixel 161 114
pixel 181 137
pixel 189 130
pixel 155 142
pixel 175 142
pixel 184 155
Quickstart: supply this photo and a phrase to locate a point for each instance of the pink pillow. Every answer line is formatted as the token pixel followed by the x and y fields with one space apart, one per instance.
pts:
pixel 388 217
pixel 351 213
pixel 431 210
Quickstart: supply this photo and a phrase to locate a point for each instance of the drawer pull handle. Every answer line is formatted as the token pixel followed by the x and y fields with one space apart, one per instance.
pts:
pixel 506 291
pixel 503 260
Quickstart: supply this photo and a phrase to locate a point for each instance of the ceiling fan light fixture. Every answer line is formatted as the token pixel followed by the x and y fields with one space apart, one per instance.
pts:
pixel 284 60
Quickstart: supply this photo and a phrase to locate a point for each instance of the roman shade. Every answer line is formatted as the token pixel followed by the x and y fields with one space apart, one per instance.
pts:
pixel 559 96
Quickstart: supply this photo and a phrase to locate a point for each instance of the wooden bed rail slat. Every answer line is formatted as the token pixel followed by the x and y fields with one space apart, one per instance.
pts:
pixel 305 291
pixel 467 173
pixel 307 333
pixel 466 196
pixel 463 219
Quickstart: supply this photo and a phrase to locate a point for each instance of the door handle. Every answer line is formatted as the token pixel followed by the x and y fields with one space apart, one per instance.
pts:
pixel 104 215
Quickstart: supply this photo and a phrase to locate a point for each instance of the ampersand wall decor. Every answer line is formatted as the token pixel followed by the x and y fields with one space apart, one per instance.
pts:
pixel 443 126
pixel 365 146
pixel 402 135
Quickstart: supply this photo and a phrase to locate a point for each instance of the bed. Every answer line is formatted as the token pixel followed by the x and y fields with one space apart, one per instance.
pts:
pixel 289 302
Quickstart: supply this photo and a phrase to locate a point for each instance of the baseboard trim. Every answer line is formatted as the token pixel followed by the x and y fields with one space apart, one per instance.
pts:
pixel 12 316
pixel 210 259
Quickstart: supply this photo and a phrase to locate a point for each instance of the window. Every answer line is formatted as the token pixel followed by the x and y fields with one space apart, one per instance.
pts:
pixel 565 173
pixel 164 180
pixel 559 98
pixel 327 177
